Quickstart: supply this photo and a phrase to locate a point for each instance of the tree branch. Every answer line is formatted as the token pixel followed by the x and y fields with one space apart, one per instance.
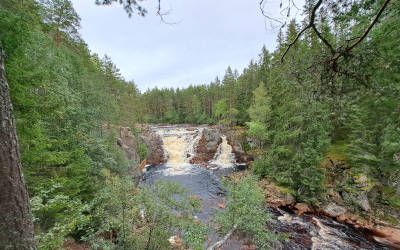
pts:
pixel 310 24
pixel 323 39
pixel 385 4
pixel 261 5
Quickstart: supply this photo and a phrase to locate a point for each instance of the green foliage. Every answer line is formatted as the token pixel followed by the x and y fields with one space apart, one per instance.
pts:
pixel 298 137
pixel 56 215
pixel 62 98
pixel 246 209
pixel 144 218
pixel 260 112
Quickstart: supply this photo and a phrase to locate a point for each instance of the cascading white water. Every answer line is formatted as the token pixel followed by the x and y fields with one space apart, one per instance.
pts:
pixel 178 145
pixel 224 157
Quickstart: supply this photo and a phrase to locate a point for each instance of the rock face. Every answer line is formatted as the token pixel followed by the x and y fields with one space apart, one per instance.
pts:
pixel 207 146
pixel 302 208
pixel 154 145
pixel 212 138
pixel 387 235
pixel 334 210
pixel 128 144
pixel 236 138
pixel 363 202
pixel 276 198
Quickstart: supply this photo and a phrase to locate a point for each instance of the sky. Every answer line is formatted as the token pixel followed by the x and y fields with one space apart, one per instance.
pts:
pixel 207 36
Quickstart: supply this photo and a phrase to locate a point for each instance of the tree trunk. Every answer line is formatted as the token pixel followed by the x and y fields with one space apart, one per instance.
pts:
pixel 16 227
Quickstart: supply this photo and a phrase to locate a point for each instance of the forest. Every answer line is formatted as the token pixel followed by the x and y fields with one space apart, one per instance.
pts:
pixel 326 100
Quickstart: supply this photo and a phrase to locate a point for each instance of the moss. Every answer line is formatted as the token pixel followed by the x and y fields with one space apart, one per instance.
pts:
pixel 284 190
pixel 363 182
pixel 337 151
pixel 390 197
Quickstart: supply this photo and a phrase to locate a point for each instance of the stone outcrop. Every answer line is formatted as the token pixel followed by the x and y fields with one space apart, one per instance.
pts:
pixel 387 235
pixel 302 208
pixel 236 138
pixel 207 146
pixel 333 210
pixel 128 144
pixel 275 197
pixel 154 144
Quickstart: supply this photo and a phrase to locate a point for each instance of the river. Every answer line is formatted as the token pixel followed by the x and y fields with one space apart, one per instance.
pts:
pixel 301 232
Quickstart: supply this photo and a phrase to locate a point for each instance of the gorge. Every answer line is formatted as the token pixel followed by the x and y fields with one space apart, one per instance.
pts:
pixel 203 180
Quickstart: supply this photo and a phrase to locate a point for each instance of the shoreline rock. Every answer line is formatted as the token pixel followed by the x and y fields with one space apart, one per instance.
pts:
pixel 207 146
pixel 154 144
pixel 385 234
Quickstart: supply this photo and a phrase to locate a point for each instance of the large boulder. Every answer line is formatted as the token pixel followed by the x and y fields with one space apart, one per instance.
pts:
pixel 212 138
pixel 276 196
pixel 206 146
pixel 363 202
pixel 334 210
pixel 154 145
pixel 237 138
pixel 302 208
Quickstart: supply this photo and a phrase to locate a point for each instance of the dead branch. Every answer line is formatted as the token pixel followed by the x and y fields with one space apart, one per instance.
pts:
pixel 261 5
pixel 218 244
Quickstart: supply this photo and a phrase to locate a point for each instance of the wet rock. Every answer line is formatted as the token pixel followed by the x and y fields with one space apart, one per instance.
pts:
pixel 302 208
pixel 334 210
pixel 212 138
pixel 154 144
pixel 384 234
pixel 142 165
pixel 237 138
pixel 207 146
pixel 387 235
pixel 276 196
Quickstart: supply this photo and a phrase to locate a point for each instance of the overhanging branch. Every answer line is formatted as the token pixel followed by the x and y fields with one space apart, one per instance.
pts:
pixel 340 52
pixel 309 25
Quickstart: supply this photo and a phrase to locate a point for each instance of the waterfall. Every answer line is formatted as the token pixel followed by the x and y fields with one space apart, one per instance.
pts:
pixel 224 156
pixel 178 144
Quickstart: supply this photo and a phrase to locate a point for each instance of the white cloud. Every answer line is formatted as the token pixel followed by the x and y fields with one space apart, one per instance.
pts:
pixel 210 36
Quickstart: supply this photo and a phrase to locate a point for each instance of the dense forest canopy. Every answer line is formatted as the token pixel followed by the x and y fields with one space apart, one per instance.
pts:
pixel 323 96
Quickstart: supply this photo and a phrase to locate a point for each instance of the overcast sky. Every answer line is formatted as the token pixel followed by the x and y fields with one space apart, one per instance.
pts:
pixel 209 35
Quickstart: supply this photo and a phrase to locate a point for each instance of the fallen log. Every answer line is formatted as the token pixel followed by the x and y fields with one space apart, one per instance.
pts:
pixel 221 242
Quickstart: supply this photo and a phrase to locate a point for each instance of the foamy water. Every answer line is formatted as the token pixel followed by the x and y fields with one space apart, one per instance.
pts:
pixel 179 145
pixel 224 157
